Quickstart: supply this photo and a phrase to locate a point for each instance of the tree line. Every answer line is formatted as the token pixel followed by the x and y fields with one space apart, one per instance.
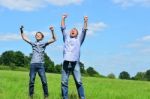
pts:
pixel 14 59
pixel 142 76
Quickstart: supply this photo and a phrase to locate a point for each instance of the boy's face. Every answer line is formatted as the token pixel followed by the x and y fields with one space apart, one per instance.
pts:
pixel 38 36
pixel 73 33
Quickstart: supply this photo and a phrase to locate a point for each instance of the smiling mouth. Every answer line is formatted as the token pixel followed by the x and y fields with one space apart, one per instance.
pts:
pixel 38 37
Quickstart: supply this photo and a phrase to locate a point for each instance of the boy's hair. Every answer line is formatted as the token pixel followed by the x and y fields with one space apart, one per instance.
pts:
pixel 40 33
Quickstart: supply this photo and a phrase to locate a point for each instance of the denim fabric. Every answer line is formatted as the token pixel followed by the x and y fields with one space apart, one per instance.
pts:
pixel 74 68
pixel 34 68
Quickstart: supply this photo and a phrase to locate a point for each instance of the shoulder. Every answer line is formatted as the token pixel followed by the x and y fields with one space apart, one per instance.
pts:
pixel 63 27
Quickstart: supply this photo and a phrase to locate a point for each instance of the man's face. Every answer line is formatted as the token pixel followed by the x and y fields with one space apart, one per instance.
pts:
pixel 39 36
pixel 73 33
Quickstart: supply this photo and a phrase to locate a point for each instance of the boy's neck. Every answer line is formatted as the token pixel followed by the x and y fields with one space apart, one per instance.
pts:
pixel 38 40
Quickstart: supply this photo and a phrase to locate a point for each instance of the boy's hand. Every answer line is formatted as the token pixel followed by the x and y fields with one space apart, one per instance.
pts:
pixel 64 16
pixel 85 18
pixel 21 29
pixel 51 28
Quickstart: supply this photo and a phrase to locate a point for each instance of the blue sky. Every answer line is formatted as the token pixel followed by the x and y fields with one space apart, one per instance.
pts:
pixel 118 37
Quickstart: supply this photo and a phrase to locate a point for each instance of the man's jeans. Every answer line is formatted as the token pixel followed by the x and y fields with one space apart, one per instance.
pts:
pixel 74 68
pixel 34 68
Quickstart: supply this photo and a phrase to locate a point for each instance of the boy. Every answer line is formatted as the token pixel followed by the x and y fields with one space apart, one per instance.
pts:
pixel 37 61
pixel 71 55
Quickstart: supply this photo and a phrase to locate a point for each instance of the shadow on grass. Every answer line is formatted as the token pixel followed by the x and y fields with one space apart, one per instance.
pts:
pixel 73 96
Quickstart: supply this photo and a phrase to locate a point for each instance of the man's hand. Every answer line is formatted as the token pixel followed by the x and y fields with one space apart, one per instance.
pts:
pixel 63 20
pixel 85 22
pixel 64 16
pixel 85 18
pixel 21 29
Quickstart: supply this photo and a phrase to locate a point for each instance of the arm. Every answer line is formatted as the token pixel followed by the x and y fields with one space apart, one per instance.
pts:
pixel 24 37
pixel 85 22
pixel 63 27
pixel 53 39
pixel 63 20
pixel 84 30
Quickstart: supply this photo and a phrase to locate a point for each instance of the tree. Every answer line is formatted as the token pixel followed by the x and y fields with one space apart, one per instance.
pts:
pixel 19 59
pixel 92 72
pixel 111 75
pixel 147 75
pixel 49 64
pixel 83 71
pixel 27 61
pixel 58 68
pixel 11 58
pixel 0 61
pixel 140 76
pixel 8 58
pixel 124 75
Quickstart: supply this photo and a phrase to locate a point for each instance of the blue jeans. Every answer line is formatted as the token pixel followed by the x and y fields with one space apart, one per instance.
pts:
pixel 74 68
pixel 34 68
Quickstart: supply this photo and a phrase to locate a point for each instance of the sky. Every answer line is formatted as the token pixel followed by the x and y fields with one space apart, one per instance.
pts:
pixel 118 37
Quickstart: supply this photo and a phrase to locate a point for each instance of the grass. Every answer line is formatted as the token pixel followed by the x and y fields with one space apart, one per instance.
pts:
pixel 14 85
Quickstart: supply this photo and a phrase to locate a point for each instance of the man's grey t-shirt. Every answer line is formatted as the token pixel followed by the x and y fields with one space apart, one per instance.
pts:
pixel 38 49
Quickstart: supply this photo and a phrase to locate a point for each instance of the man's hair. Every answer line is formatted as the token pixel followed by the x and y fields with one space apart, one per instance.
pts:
pixel 40 33
pixel 76 30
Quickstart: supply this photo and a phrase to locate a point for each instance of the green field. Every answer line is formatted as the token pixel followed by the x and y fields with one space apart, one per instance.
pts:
pixel 14 85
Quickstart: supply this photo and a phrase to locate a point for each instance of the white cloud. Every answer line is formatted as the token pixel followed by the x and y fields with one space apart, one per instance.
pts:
pixel 127 3
pixel 93 27
pixel 145 38
pixel 141 45
pixel 145 50
pixel 96 27
pixel 14 36
pixel 64 2
pixel 134 45
pixel 140 42
pixel 9 37
pixel 22 5
pixel 30 5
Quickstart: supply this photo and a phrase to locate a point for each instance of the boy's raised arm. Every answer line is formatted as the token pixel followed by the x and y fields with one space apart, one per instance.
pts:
pixel 53 39
pixel 24 37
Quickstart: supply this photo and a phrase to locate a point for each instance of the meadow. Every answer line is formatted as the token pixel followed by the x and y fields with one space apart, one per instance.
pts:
pixel 14 85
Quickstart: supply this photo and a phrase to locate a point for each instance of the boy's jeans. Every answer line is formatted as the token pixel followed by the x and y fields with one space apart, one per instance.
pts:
pixel 34 68
pixel 74 68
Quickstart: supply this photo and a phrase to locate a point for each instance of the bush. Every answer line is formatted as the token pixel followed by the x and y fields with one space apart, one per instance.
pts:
pixel 111 75
pixel 124 75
